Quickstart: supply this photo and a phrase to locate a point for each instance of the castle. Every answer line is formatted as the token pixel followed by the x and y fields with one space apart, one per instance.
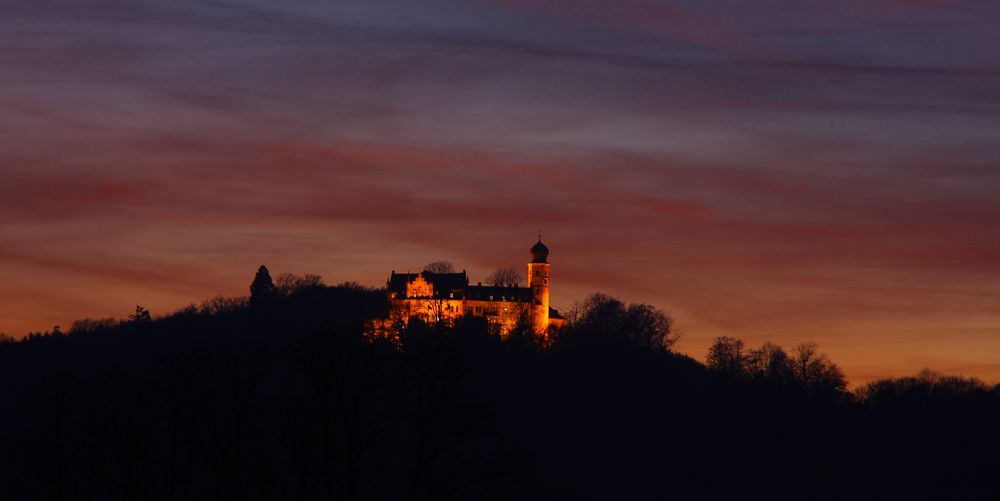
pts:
pixel 436 297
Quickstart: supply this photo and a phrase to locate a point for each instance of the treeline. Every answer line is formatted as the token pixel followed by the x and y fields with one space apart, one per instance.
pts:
pixel 287 397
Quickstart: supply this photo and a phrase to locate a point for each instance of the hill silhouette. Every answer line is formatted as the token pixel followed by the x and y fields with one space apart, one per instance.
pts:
pixel 287 397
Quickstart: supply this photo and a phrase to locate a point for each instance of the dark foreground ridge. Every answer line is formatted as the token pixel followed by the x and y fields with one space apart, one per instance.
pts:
pixel 289 399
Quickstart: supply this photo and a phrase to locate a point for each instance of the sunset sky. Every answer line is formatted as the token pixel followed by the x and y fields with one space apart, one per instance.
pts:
pixel 771 170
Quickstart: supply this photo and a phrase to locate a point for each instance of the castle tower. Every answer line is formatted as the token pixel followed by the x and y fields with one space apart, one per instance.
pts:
pixel 538 280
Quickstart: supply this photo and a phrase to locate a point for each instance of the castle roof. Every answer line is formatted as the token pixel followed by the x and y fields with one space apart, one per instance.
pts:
pixel 443 283
pixel 447 284
pixel 494 293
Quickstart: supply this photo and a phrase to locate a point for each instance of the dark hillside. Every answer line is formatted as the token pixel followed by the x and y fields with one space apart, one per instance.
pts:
pixel 287 399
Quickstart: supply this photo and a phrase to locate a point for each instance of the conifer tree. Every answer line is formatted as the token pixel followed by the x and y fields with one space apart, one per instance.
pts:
pixel 141 315
pixel 262 287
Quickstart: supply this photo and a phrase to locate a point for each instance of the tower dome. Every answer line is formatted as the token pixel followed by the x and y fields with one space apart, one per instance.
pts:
pixel 539 252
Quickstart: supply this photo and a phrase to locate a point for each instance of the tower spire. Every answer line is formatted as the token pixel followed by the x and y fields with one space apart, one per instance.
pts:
pixel 538 280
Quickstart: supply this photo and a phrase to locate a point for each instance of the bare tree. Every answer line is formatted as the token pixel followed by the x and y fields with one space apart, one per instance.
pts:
pixel 636 323
pixel 288 283
pixel 726 355
pixel 769 361
pixel 927 385
pixel 90 325
pixel 815 371
pixel 649 327
pixel 440 267
pixel 222 304
pixel 504 277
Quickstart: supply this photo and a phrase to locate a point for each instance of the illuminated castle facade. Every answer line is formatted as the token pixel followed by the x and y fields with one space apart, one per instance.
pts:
pixel 436 297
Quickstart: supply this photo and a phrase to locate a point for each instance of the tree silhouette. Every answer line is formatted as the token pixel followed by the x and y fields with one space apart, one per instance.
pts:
pixel 440 267
pixel 90 324
pixel 649 327
pixel 815 371
pixel 769 361
pixel 222 304
pixel 141 315
pixel 604 318
pixel 926 387
pixel 289 284
pixel 726 356
pixel 262 288
pixel 504 277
